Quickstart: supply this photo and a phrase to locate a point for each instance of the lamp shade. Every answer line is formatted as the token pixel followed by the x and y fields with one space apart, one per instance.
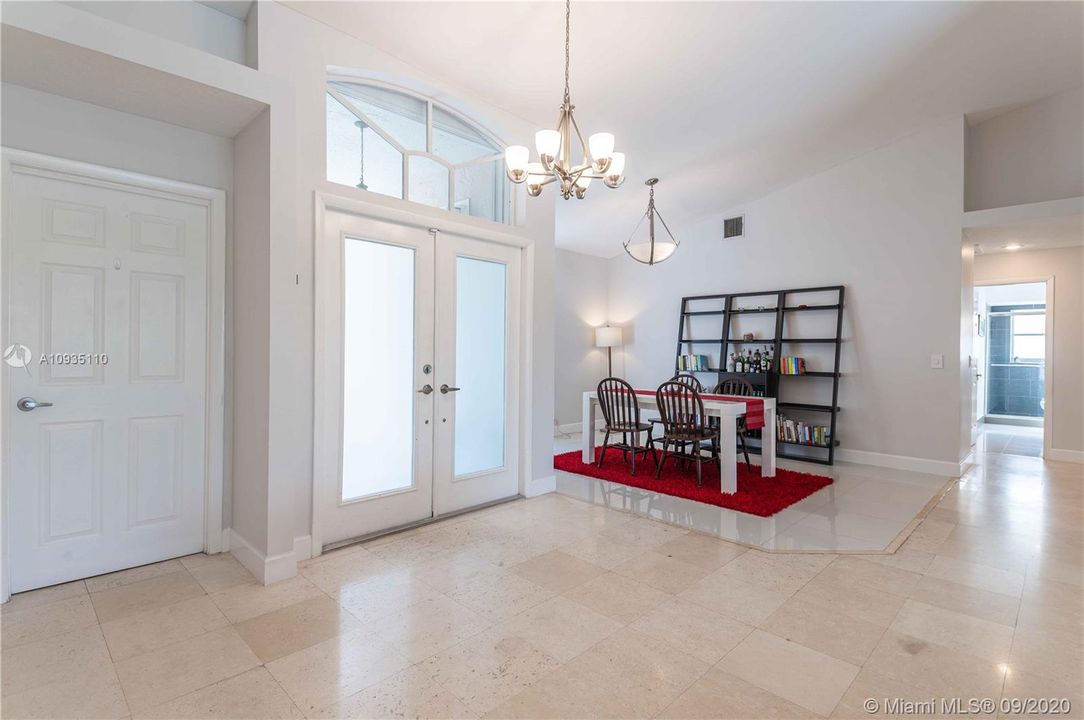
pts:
pixel 607 337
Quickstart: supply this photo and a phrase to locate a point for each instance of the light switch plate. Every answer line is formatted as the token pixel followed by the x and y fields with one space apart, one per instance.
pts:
pixel 937 361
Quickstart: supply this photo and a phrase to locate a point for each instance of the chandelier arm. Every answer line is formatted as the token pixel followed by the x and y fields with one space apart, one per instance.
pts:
pixel 583 145
pixel 547 181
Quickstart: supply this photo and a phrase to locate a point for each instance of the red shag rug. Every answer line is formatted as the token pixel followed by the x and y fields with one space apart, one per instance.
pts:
pixel 756 495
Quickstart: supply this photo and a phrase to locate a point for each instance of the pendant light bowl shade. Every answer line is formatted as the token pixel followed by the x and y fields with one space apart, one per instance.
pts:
pixel 647 244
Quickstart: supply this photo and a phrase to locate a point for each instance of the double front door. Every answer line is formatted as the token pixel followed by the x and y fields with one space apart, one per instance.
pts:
pixel 421 392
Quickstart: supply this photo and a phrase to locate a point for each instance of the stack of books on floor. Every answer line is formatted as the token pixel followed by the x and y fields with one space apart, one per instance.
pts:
pixel 791 366
pixel 693 363
pixel 797 431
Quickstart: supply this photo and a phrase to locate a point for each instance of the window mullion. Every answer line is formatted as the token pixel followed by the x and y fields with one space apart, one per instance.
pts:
pixel 429 127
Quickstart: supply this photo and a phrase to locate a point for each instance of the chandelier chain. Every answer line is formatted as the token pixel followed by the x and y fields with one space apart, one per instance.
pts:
pixel 568 32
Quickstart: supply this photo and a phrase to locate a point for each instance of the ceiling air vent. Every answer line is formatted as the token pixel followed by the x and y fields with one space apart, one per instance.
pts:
pixel 734 227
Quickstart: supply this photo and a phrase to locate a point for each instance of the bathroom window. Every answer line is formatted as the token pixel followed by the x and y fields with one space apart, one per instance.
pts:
pixel 396 143
pixel 1028 338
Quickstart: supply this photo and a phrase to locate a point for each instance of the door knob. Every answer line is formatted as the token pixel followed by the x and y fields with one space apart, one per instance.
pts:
pixel 27 404
pixel 426 389
pixel 444 389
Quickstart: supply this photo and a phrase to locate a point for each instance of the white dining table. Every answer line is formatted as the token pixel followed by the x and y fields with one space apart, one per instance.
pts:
pixel 728 412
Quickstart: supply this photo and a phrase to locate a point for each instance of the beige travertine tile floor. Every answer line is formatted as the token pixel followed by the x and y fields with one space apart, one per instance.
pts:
pixel 552 607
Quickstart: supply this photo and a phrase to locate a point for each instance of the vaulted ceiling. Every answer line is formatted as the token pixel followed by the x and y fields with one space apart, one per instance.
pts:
pixel 728 101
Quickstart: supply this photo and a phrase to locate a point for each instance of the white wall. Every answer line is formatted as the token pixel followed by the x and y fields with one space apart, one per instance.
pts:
pixel 54 125
pixel 298 51
pixel 250 336
pixel 273 328
pixel 58 126
pixel 1031 154
pixel 1066 266
pixel 887 226
pixel 183 21
pixel 580 296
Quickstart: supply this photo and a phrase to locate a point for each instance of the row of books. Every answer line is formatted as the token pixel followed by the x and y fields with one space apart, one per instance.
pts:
pixel 798 431
pixel 791 365
pixel 693 363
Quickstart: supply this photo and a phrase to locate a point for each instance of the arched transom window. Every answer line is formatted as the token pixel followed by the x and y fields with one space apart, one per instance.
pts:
pixel 399 144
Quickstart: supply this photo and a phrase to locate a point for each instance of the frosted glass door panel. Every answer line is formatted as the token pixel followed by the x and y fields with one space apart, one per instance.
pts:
pixel 378 362
pixel 480 349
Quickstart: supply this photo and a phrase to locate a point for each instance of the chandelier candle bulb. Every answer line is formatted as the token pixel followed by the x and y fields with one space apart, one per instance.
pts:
pixel 516 157
pixel 548 144
pixel 615 173
pixel 601 146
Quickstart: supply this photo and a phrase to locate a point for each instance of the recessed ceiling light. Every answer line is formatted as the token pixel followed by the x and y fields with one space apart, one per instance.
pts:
pixel 1012 246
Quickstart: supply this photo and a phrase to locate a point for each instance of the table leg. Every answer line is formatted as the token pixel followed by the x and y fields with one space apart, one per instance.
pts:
pixel 728 454
pixel 767 444
pixel 588 430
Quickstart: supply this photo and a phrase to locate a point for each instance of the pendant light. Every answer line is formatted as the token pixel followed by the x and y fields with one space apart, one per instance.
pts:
pixel 599 161
pixel 649 249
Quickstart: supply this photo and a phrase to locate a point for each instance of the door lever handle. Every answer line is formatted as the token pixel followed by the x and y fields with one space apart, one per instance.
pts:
pixel 445 389
pixel 427 389
pixel 27 404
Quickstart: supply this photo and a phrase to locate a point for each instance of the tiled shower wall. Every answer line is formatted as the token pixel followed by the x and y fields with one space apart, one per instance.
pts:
pixel 1010 389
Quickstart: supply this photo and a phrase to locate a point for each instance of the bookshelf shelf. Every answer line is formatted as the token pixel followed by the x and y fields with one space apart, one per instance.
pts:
pixel 783 303
pixel 811 407
pixel 808 308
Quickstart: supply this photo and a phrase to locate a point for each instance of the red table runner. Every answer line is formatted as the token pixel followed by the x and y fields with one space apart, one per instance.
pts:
pixel 754 406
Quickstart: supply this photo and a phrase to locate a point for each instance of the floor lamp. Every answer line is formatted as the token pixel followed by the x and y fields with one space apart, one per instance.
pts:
pixel 609 338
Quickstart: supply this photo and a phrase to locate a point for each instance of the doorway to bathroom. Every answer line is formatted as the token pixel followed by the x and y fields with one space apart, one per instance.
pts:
pixel 1012 347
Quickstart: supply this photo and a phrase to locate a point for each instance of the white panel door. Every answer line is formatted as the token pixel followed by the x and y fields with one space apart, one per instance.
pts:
pixel 108 289
pixel 477 373
pixel 378 278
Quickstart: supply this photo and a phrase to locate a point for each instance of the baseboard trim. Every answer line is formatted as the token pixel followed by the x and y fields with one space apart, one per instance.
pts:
pixel 266 569
pixel 573 428
pixel 901 462
pixel 302 547
pixel 540 486
pixel 1012 420
pixel 1073 456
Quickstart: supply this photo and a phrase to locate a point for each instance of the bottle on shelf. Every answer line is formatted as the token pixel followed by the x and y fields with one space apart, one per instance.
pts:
pixel 749 366
pixel 756 361
pixel 731 364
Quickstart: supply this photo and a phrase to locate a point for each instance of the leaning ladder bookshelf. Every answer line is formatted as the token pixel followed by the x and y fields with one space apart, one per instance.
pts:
pixel 773 383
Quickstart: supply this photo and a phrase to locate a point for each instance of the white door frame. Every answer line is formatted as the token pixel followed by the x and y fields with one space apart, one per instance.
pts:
pixel 325 421
pixel 1048 369
pixel 22 162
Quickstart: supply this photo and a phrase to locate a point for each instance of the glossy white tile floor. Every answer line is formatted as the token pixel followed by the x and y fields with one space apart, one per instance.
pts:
pixel 1011 440
pixel 556 608
pixel 865 509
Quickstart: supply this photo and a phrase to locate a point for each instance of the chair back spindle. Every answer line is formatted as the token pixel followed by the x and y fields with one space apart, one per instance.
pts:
pixel 617 400
pixel 734 386
pixel 690 380
pixel 680 407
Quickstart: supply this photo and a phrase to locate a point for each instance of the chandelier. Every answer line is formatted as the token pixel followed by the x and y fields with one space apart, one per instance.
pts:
pixel 599 161
pixel 649 249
